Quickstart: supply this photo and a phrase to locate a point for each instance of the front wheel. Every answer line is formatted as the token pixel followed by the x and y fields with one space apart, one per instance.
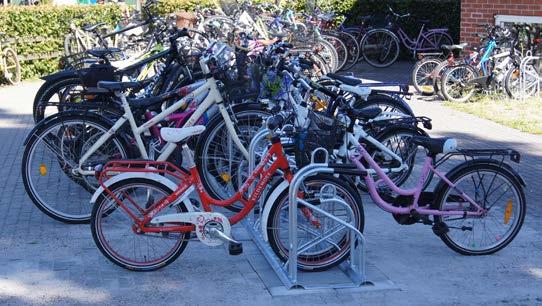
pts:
pixel 323 242
pixel 423 73
pixel 12 67
pixel 380 48
pixel 456 85
pixel 113 228
pixel 493 188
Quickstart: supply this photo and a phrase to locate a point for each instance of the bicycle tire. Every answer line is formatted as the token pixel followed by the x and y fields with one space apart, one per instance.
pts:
pixel 383 59
pixel 340 48
pixel 443 191
pixel 353 49
pixel 11 61
pixel 446 81
pixel 426 67
pixel 43 97
pixel 66 181
pixel 103 244
pixel 326 259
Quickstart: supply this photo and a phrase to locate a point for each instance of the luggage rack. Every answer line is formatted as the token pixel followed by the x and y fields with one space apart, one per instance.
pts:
pixel 353 269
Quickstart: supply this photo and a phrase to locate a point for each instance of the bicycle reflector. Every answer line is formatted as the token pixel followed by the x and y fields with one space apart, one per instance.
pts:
pixel 43 170
pixel 508 212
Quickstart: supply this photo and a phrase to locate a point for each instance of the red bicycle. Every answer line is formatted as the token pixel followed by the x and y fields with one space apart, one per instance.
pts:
pixel 142 221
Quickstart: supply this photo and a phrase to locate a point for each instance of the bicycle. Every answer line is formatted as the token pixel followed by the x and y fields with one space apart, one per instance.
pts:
pixel 380 46
pixel 458 213
pixel 9 62
pixel 140 205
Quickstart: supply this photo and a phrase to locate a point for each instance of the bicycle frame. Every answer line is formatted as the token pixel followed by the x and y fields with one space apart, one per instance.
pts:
pixel 415 45
pixel 415 192
pixel 192 181
pixel 213 97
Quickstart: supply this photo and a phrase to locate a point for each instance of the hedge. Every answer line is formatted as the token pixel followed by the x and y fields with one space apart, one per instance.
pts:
pixel 41 29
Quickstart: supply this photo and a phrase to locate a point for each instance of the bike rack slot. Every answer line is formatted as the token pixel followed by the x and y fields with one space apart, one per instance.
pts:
pixel 353 270
pixel 524 74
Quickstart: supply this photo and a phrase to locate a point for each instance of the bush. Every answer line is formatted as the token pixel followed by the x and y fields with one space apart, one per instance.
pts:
pixel 39 31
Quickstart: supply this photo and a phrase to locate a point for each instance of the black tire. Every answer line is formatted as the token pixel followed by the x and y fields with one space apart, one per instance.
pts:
pixel 422 75
pixel 340 47
pixel 219 189
pixel 64 158
pixel 48 90
pixel 99 211
pixel 385 102
pixel 353 49
pixel 455 176
pixel 380 48
pixel 327 259
pixel 454 83
pixel 438 72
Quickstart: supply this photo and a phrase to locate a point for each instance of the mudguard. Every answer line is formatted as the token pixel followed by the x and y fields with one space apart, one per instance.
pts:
pixel 146 175
pixel 45 121
pixel 269 203
pixel 59 75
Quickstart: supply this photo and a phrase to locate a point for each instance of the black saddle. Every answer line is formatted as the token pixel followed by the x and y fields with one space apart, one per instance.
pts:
pixel 92 27
pixel 101 53
pixel 454 47
pixel 424 21
pixel 117 86
pixel 435 145
pixel 348 80
pixel 365 113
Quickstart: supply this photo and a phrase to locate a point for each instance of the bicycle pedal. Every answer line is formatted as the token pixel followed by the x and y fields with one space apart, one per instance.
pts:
pixel 235 248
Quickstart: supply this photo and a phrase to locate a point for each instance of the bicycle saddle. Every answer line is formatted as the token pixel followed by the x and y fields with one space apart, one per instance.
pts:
pixel 180 134
pixel 436 145
pixel 92 27
pixel 454 47
pixel 103 52
pixel 348 80
pixel 117 86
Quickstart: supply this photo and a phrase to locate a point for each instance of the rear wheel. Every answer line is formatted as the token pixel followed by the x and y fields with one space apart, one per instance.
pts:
pixel 340 48
pixel 353 49
pixel 434 42
pixel 380 48
pixel 113 228
pixel 495 190
pixel 56 97
pixel 323 243
pixel 422 75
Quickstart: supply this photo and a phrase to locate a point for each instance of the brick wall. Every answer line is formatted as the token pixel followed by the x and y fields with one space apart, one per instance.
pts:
pixel 474 12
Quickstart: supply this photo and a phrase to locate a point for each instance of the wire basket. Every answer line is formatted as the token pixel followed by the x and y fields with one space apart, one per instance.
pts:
pixel 322 132
pixel 304 39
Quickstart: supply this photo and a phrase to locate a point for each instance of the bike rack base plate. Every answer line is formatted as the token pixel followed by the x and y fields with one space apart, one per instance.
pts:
pixel 333 280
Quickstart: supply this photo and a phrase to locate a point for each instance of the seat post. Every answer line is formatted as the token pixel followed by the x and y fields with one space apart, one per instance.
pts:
pixel 188 157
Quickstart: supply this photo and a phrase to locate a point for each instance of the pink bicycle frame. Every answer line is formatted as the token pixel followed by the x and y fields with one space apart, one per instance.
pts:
pixel 414 192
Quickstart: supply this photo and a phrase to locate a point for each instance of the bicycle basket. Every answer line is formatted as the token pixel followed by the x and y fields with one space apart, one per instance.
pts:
pixel 322 132
pixel 304 39
pixel 97 72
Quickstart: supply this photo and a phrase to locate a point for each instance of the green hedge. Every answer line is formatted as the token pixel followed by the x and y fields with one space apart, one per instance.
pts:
pixel 40 30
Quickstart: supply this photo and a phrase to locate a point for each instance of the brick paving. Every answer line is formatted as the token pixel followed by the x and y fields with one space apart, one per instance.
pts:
pixel 43 261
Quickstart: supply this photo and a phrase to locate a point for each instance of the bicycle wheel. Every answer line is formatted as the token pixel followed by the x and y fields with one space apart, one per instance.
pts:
pixel 112 227
pixel 353 48
pixel 512 82
pixel 340 48
pixel 434 42
pixel 62 92
pixel 455 83
pixel 12 68
pixel 323 242
pixel 218 159
pixel 438 72
pixel 72 45
pixel 49 157
pixel 422 75
pixel 495 189
pixel 380 48
pixel 327 51
pixel 391 106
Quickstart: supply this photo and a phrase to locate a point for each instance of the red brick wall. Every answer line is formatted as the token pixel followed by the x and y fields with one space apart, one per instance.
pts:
pixel 474 12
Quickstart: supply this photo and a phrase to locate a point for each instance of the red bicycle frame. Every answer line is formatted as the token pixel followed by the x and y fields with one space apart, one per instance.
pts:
pixel 192 178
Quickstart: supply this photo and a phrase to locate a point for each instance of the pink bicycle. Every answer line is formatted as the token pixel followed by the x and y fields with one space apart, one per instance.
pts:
pixel 477 207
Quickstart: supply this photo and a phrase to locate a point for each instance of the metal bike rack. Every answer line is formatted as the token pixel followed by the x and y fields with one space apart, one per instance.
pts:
pixel 524 74
pixel 353 268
